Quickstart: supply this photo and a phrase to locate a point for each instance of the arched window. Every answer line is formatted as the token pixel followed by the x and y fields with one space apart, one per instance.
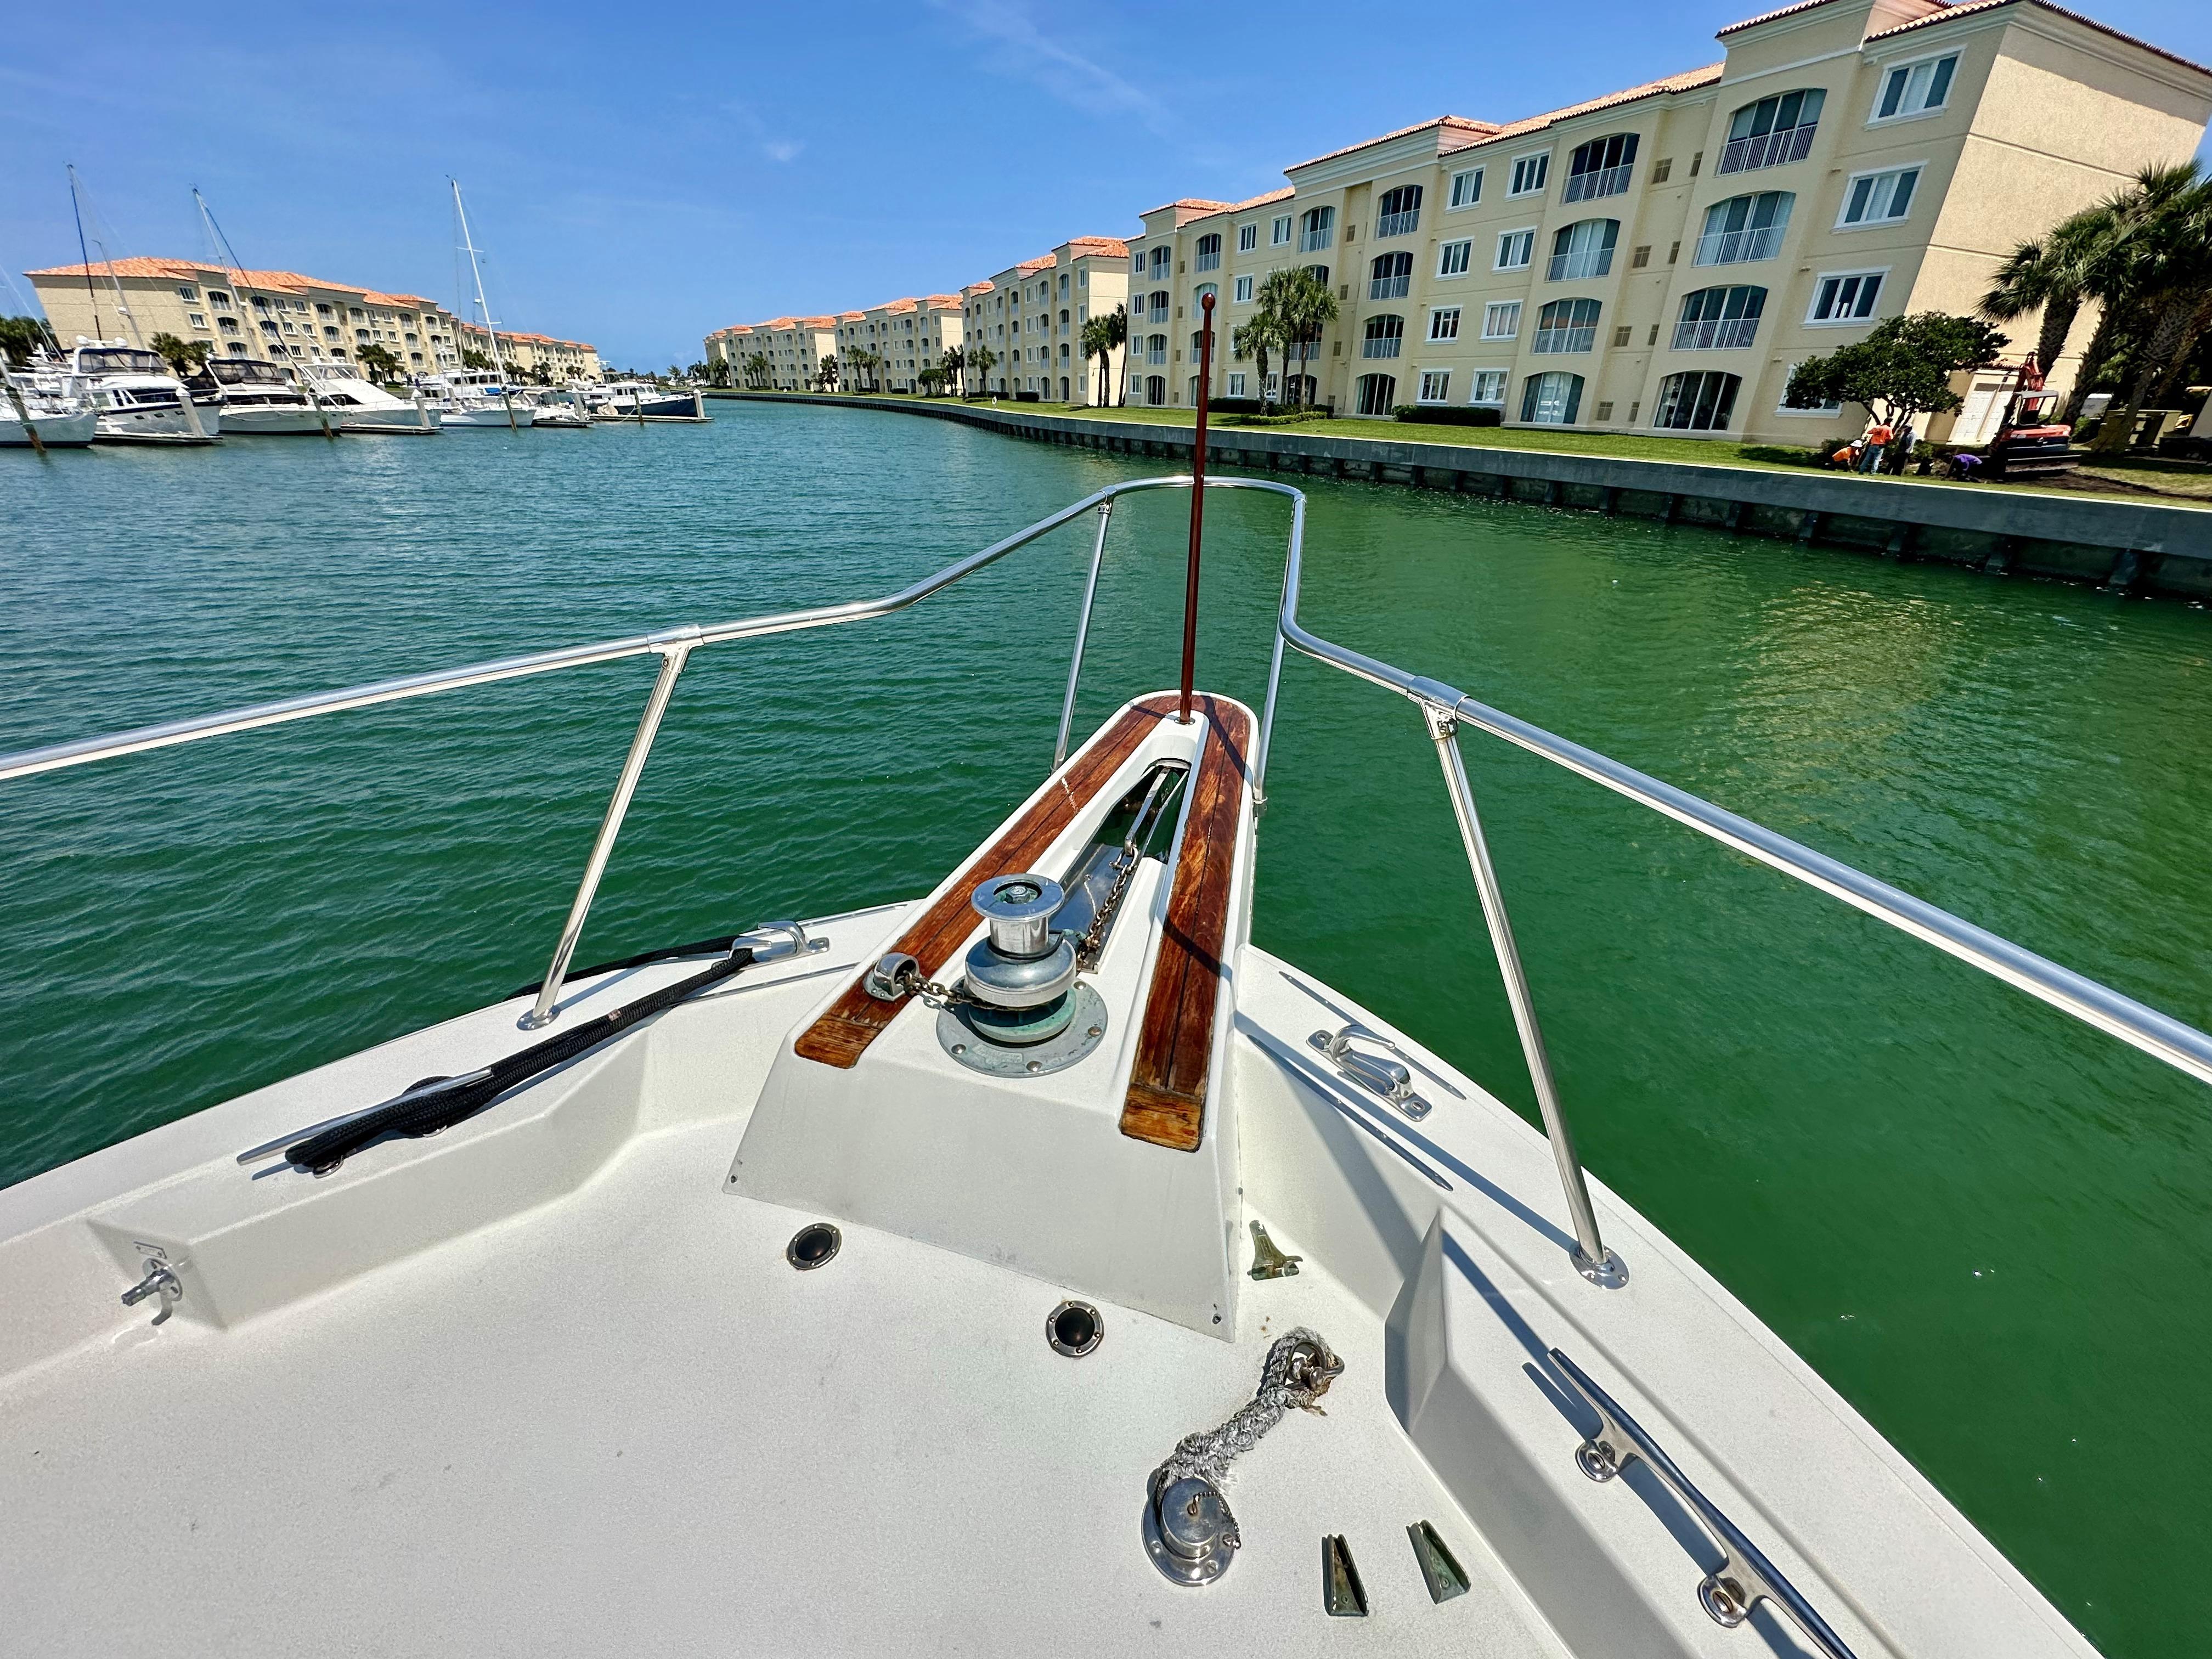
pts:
pixel 1198 297
pixel 1160 256
pixel 1385 335
pixel 1772 131
pixel 1206 256
pixel 1583 250
pixel 1159 304
pixel 1389 277
pixel 1317 229
pixel 1552 399
pixel 1399 211
pixel 1156 349
pixel 1744 228
pixel 1378 393
pixel 1727 318
pixel 1697 403
pixel 1601 168
pixel 1156 389
pixel 1566 326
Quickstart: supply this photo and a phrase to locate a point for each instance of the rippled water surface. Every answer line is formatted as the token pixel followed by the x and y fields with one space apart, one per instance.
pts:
pixel 1987 1227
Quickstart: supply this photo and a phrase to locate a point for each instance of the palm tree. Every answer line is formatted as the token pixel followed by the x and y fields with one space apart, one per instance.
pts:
pixel 1097 340
pixel 1255 339
pixel 1301 306
pixel 2161 257
pixel 381 364
pixel 2055 276
pixel 1117 339
pixel 954 365
pixel 982 359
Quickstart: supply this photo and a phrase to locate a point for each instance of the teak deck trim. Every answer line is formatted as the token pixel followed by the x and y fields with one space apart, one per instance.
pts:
pixel 1166 1101
pixel 844 1030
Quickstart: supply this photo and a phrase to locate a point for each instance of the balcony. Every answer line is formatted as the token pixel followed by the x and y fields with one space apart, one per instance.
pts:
pixel 1601 181
pixel 1768 149
pixel 1207 262
pixel 1389 288
pixel 1312 241
pixel 1397 224
pixel 1733 247
pixel 1718 333
pixel 1555 340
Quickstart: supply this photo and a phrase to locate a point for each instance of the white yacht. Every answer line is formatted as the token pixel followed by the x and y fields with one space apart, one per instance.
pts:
pixel 626 400
pixel 474 397
pixel 560 408
pixel 358 405
pixel 940 1278
pixel 257 398
pixel 42 400
pixel 137 399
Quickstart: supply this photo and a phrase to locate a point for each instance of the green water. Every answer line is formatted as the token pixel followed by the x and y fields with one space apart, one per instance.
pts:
pixel 1986 1226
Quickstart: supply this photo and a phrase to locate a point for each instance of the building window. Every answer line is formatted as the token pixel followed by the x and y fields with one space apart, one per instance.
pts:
pixel 198 319
pixel 1399 212
pixel 1599 168
pixel 1697 403
pixel 187 291
pixel 1198 296
pixel 1529 172
pixel 1552 399
pixel 1719 318
pixel 1160 257
pixel 1443 322
pixel 1879 199
pixel 1155 388
pixel 1319 273
pixel 1773 131
pixel 1583 250
pixel 1237 385
pixel 1385 335
pixel 1515 249
pixel 1156 349
pixel 1916 88
pixel 1317 229
pixel 1467 188
pixel 218 299
pixel 1489 386
pixel 1744 228
pixel 1454 258
pixel 1436 386
pixel 1845 297
pixel 1247 238
pixel 1566 326
pixel 1243 291
pixel 1501 320
pixel 1378 393
pixel 1206 256
pixel 1784 408
pixel 1159 304
pixel 1280 232
pixel 1390 277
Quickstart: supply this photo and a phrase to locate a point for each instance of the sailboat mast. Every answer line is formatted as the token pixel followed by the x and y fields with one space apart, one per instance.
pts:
pixel 482 305
pixel 91 291
pixel 224 251
pixel 122 305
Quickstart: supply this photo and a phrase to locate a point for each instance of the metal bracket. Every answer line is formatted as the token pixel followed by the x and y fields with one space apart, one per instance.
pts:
pixel 1267 1261
pixel 159 1281
pixel 1392 1079
pixel 1189 1532
pixel 1444 1577
pixel 1342 1594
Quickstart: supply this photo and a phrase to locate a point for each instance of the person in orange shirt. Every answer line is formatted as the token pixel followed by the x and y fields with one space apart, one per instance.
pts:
pixel 1877 440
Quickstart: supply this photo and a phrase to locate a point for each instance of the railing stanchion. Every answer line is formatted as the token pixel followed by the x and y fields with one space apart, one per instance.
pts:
pixel 672 659
pixel 1082 632
pixel 1291 560
pixel 1594 1262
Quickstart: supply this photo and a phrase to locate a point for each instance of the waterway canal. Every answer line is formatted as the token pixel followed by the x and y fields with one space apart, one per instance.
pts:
pixel 1988 1228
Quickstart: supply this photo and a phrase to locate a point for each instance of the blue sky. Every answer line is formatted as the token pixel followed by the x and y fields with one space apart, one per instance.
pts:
pixel 643 173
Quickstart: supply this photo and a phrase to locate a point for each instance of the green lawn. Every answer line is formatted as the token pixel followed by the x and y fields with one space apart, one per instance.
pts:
pixel 2179 482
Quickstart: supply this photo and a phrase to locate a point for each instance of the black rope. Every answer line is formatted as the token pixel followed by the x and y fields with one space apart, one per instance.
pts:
pixel 427 1108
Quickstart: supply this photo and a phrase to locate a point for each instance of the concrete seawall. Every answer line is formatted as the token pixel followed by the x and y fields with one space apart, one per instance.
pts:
pixel 2127 546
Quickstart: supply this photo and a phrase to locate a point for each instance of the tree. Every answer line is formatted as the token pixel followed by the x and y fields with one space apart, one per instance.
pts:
pixel 982 359
pixel 929 380
pixel 954 366
pixel 1901 370
pixel 1300 306
pixel 469 359
pixel 1255 339
pixel 2056 276
pixel 1117 339
pixel 183 356
pixel 382 365
pixel 1097 340
pixel 20 336
pixel 758 371
pixel 2161 257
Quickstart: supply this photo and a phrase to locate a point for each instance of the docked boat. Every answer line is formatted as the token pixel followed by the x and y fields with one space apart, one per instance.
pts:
pixel 560 408
pixel 257 398
pixel 48 405
pixel 358 405
pixel 138 400
pixel 626 400
pixel 476 397
pixel 1037 1265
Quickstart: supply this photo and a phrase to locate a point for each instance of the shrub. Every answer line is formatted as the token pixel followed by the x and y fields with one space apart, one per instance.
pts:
pixel 1295 417
pixel 1237 406
pixel 1449 414
pixel 1029 396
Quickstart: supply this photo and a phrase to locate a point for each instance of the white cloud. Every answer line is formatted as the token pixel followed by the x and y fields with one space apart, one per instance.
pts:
pixel 782 149
pixel 1024 50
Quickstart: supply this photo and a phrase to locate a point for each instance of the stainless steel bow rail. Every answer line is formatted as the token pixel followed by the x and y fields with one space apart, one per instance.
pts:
pixel 1445 708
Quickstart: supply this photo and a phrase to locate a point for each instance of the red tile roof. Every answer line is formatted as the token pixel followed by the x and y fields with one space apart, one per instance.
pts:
pixel 1199 202
pixel 1688 81
pixel 943 302
pixel 1970 7
pixel 1455 124
pixel 1082 247
pixel 1769 16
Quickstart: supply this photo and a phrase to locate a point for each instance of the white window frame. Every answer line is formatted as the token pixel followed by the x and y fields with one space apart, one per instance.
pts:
pixel 1472 196
pixel 1475 393
pixel 1905 66
pixel 1436 316
pixel 1441 394
pixel 1543 176
pixel 1443 258
pixel 1919 170
pixel 1242 292
pixel 1880 273
pixel 1490 316
pixel 1278 232
pixel 1247 238
pixel 1505 236
pixel 1236 383
pixel 1829 413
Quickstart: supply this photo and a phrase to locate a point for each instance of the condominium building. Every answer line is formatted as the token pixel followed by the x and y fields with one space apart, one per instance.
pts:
pixel 1661 257
pixel 796 348
pixel 1032 315
pixel 273 315
pixel 561 360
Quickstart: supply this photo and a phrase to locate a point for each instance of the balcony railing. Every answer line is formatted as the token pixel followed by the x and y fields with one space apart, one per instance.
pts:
pixel 1381 345
pixel 1312 241
pixel 1389 288
pixel 1768 149
pixel 1735 247
pixel 1207 262
pixel 1599 181
pixel 1565 339
pixel 1721 333
pixel 1398 224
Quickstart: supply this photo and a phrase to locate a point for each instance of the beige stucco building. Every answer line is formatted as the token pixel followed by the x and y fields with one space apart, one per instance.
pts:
pixel 1660 259
pixel 564 360
pixel 1031 315
pixel 273 315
